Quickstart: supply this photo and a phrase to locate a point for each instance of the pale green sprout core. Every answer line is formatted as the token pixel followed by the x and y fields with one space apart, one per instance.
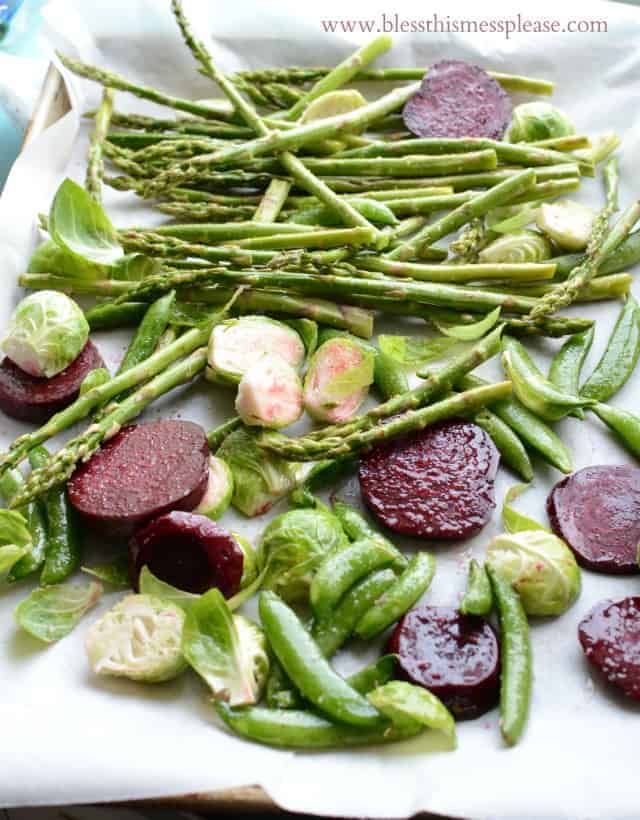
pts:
pixel 338 380
pixel 140 638
pixel 567 223
pixel 269 394
pixel 46 333
pixel 536 121
pixel 541 568
pixel 219 492
pixel 517 248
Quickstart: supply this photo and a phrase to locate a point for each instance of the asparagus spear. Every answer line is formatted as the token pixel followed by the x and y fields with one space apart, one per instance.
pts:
pixel 413 420
pixel 404 166
pixel 478 206
pixel 525 272
pixel 290 162
pixel 272 201
pixel 95 165
pixel 62 464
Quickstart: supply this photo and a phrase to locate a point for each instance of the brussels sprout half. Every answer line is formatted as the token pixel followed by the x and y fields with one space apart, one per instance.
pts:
pixel 269 394
pixel 536 121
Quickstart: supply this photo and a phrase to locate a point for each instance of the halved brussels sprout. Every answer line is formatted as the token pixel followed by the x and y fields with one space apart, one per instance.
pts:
pixel 46 333
pixel 219 492
pixel 269 394
pixel 535 121
pixel 524 246
pixel 568 223
pixel 541 568
pixel 140 638
pixel 237 344
pixel 250 562
pixel 338 380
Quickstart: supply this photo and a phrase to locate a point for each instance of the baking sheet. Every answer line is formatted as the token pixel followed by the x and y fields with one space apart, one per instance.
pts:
pixel 68 737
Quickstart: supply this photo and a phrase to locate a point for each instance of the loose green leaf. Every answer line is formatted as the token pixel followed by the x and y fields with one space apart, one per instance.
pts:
pixel 515 222
pixel 15 539
pixel 513 520
pixel 80 225
pixel 407 705
pixel 412 352
pixel 471 332
pixel 150 585
pixel 49 257
pixel 229 652
pixel 115 573
pixel 133 267
pixel 50 613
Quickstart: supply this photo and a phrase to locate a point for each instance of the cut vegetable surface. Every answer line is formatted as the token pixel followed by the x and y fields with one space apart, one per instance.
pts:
pixel 269 393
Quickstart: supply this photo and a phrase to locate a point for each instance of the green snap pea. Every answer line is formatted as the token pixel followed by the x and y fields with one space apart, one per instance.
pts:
pixel 624 424
pixel 216 436
pixel 309 670
pixel 342 569
pixel 357 527
pixel 532 430
pixel 10 483
pixel 626 255
pixel 620 357
pixel 62 554
pixel 566 365
pixel 151 328
pixel 509 445
pixel 323 474
pixel 94 378
pixel 331 632
pixel 280 693
pixel 297 729
pixel 532 388
pixel 478 599
pixel 109 316
pixel 515 682
pixel 375 674
pixel 389 379
pixel 399 597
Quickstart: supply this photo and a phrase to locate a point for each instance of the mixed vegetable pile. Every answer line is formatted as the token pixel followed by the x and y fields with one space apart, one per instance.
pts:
pixel 305 211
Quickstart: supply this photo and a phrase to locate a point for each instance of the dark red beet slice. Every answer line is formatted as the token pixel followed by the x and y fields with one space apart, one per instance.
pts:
pixel 29 398
pixel 457 99
pixel 189 551
pixel 610 638
pixel 597 512
pixel 143 471
pixel 437 483
pixel 455 656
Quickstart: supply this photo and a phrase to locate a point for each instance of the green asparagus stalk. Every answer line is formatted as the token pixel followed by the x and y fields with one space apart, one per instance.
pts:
pixel 101 394
pixel 478 206
pixel 569 143
pixel 524 272
pixel 290 162
pixel 461 404
pixel 329 238
pixel 215 233
pixel 404 166
pixel 341 74
pixel 112 80
pixel 614 286
pixel 62 464
pixel 209 212
pixel 272 201
pixel 154 244
pixel 95 164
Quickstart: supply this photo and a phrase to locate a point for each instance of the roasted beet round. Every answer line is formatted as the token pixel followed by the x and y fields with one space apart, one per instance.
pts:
pixel 610 638
pixel 597 512
pixel 189 551
pixel 437 483
pixel 30 398
pixel 143 471
pixel 455 656
pixel 458 99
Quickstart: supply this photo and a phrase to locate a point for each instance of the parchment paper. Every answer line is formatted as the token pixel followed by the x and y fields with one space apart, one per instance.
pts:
pixel 68 737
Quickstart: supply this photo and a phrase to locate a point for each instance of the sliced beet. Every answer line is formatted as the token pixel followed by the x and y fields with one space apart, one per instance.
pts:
pixel 458 99
pixel 143 471
pixel 597 512
pixel 455 656
pixel 437 483
pixel 610 638
pixel 27 397
pixel 189 551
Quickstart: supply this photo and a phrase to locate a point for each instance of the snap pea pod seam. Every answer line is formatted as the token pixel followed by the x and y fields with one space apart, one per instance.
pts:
pixel 512 450
pixel 357 526
pixel 624 424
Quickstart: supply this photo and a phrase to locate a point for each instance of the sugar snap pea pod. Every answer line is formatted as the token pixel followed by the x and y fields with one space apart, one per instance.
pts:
pixel 358 526
pixel 342 569
pixel 478 599
pixel 109 316
pixel 511 449
pixel 515 680
pixel 298 729
pixel 216 436
pixel 531 429
pixel 374 675
pixel 151 328
pixel 10 484
pixel 399 597
pixel 624 424
pixel 390 379
pixel 323 474
pixel 331 632
pixel 532 388
pixel 94 378
pixel 62 553
pixel 626 255
pixel 619 358
pixel 566 365
pixel 309 670
pixel 280 692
